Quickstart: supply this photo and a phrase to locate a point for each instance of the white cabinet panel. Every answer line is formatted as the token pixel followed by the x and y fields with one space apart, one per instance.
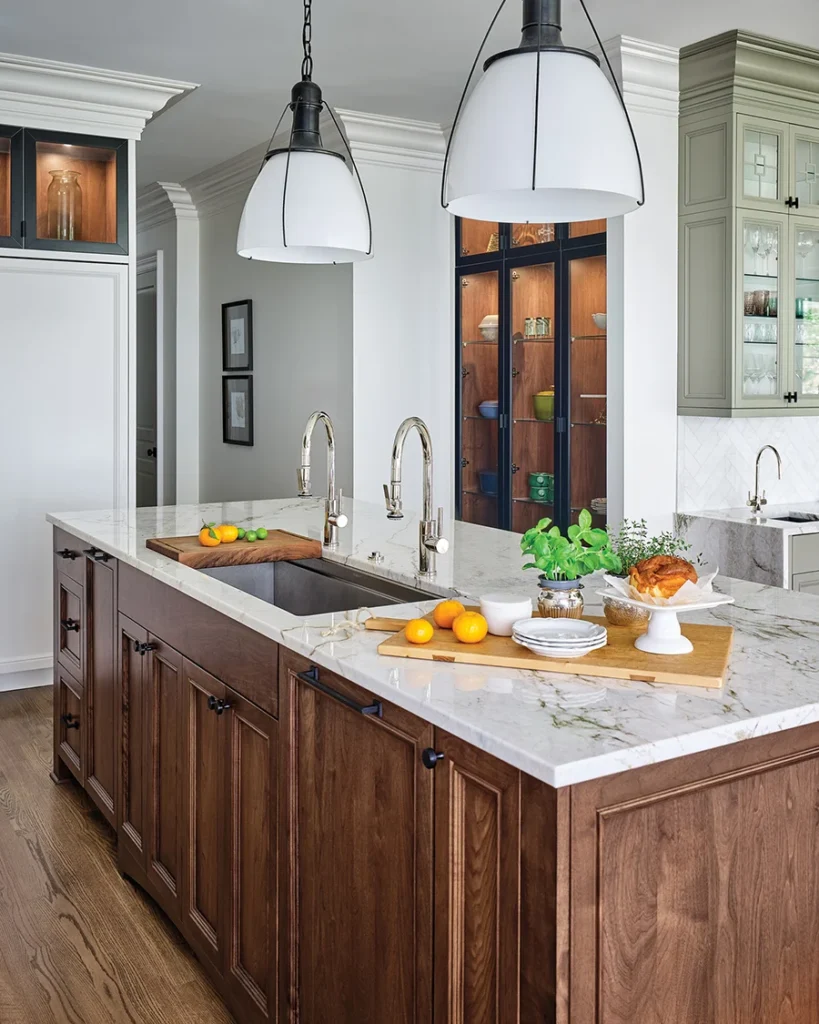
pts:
pixel 64 421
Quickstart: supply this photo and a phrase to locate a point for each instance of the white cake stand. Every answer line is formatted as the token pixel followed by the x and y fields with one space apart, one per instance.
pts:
pixel 664 635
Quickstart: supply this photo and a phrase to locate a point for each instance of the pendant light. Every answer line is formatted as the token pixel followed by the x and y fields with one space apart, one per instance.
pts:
pixel 543 136
pixel 306 205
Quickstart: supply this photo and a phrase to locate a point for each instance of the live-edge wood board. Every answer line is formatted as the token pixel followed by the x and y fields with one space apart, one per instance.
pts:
pixel 278 546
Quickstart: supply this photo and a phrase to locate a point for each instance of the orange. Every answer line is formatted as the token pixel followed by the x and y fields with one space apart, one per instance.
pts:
pixel 228 533
pixel 209 537
pixel 418 631
pixel 446 613
pixel 470 627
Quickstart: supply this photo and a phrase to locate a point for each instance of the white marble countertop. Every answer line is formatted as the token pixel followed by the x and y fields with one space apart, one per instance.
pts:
pixel 560 729
pixel 770 520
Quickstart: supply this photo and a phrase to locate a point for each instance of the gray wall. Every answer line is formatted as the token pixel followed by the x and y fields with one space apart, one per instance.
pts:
pixel 302 360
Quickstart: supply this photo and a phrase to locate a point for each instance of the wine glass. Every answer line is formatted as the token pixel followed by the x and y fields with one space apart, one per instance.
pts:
pixel 765 247
pixel 752 240
pixel 804 244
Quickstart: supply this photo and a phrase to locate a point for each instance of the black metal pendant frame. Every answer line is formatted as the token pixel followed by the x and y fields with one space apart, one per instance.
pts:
pixel 541 33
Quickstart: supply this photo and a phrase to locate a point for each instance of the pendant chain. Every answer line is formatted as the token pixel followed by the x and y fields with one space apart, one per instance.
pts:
pixel 307 42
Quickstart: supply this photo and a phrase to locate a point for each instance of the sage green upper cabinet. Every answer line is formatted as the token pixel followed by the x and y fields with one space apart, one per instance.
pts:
pixel 749 228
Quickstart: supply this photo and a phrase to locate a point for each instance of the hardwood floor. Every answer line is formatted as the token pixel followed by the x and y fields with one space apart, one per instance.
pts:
pixel 79 944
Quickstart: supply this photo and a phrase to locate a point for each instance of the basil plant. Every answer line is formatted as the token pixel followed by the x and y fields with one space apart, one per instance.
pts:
pixel 582 551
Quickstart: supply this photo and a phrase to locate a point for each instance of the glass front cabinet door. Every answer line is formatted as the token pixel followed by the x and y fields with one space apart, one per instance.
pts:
pixel 804 314
pixel 531 344
pixel 76 192
pixel 761 258
pixel 11 187
pixel 478 329
pixel 805 164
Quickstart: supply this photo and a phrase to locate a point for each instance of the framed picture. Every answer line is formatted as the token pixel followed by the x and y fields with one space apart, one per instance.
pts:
pixel 237 409
pixel 237 335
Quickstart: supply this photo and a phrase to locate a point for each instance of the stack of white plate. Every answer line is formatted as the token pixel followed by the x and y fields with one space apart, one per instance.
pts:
pixel 559 638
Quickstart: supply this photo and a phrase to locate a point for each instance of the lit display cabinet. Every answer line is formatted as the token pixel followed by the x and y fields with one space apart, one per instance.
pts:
pixel 531 367
pixel 63 192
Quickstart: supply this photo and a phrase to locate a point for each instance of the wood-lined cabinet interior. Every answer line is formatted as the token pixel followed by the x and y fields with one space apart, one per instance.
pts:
pixel 62 191
pixel 531 343
pixel 749 228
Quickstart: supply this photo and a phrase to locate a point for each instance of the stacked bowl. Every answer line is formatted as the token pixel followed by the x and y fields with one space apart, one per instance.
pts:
pixel 559 638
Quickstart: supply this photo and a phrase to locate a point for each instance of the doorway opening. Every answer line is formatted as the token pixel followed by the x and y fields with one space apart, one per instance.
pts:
pixel 150 417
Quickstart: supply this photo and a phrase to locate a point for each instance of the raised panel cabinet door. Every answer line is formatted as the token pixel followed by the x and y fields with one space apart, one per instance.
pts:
pixel 163 797
pixel 695 889
pixel 477 886
pixel 356 862
pixel 204 796
pixel 68 725
pixel 101 685
pixel 252 914
pixel 134 737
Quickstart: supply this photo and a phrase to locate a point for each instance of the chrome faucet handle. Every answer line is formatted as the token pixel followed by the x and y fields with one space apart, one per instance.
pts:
pixel 305 490
pixel 394 506
pixel 763 500
pixel 434 539
pixel 335 517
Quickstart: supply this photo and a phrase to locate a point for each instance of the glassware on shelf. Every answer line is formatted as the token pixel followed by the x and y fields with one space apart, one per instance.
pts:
pixel 804 244
pixel 64 206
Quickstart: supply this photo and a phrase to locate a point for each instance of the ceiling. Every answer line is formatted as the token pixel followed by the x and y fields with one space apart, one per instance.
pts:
pixel 408 58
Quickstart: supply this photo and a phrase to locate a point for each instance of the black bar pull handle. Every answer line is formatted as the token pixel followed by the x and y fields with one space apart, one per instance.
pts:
pixel 70 625
pixel 311 677
pixel 143 648
pixel 70 722
pixel 97 555
pixel 68 553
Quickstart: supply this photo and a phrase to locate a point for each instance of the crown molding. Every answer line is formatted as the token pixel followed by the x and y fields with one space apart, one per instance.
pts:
pixel 394 141
pixel 372 138
pixel 742 67
pixel 227 183
pixel 163 202
pixel 49 94
pixel 648 74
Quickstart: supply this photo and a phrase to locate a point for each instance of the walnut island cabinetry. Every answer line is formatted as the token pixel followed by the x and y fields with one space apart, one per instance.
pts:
pixel 338 849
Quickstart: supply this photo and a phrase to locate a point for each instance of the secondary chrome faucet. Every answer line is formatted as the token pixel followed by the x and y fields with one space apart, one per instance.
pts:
pixel 757 500
pixel 334 518
pixel 431 541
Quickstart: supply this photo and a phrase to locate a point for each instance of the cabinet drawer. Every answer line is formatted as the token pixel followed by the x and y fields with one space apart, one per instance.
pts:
pixel 804 554
pixel 68 721
pixel 68 556
pixel 69 629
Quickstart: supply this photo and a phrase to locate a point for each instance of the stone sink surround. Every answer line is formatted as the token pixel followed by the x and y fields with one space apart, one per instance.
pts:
pixel 560 729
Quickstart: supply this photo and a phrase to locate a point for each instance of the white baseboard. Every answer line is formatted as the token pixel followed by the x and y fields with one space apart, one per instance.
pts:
pixel 23 673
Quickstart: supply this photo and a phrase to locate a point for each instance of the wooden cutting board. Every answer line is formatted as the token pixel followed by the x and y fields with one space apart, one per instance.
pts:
pixel 278 546
pixel 619 659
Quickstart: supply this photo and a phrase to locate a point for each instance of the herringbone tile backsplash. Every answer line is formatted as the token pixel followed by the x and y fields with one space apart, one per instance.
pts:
pixel 715 462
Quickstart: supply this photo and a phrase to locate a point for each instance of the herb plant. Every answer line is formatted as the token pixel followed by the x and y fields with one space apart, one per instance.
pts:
pixel 632 544
pixel 583 550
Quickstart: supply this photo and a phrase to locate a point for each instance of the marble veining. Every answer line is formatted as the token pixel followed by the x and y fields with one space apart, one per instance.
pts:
pixel 560 729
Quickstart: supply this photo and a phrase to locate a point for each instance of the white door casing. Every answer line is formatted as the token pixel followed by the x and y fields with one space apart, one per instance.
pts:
pixel 150 386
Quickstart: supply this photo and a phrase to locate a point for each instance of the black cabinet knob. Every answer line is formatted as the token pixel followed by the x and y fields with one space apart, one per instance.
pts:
pixel 70 625
pixel 70 722
pixel 67 553
pixel 791 203
pixel 430 757
pixel 151 453
pixel 143 648
pixel 218 705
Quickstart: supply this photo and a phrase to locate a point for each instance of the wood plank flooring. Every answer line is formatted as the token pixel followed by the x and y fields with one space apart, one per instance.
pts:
pixel 78 943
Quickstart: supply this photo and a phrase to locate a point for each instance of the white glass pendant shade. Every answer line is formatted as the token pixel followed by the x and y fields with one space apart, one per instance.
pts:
pixel 325 216
pixel 587 165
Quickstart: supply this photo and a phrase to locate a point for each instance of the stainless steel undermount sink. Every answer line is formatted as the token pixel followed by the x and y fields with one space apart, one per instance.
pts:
pixel 315 587
pixel 798 517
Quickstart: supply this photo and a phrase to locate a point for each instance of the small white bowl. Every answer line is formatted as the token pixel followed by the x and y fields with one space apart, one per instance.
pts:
pixel 502 611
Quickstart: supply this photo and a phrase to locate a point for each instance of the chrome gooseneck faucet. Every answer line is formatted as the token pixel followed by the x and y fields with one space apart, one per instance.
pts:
pixel 430 539
pixel 757 500
pixel 334 518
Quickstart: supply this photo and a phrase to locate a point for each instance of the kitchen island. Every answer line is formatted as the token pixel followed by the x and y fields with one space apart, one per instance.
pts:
pixel 495 845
